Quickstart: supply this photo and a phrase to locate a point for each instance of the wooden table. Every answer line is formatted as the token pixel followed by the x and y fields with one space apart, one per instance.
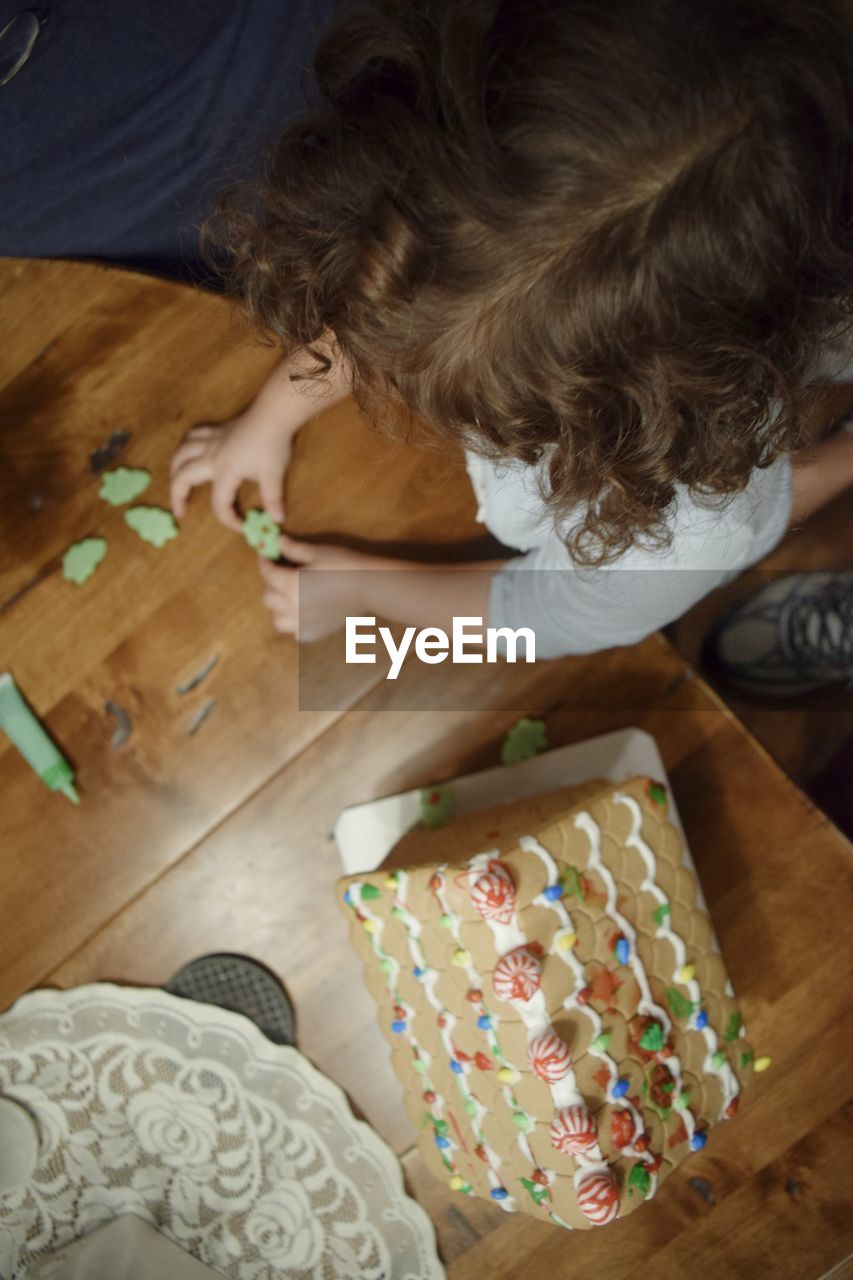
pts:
pixel 220 840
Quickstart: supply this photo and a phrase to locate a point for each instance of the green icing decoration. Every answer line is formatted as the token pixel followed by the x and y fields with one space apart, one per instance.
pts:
pixel 668 1086
pixel 658 793
pixel 572 882
pixel 679 1004
pixel 125 484
pixel 661 913
pixel 683 1100
pixel 81 560
pixel 733 1029
pixel 538 1194
pixel 601 1042
pixel 438 804
pixel 653 1037
pixel 639 1179
pixel 153 524
pixel 524 740
pixel 746 1059
pixel 262 533
pixel 442 1128
pixel 719 1059
pixel 369 892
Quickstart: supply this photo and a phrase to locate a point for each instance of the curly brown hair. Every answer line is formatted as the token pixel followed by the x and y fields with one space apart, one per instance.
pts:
pixel 610 239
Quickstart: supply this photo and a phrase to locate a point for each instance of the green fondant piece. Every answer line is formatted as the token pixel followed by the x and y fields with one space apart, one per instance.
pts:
pixel 733 1029
pixel 639 1179
pixel 601 1042
pixel 262 533
pixel 438 805
pixel 153 524
pixel 572 882
pixel 524 740
pixel 653 1037
pixel 81 560
pixel 369 892
pixel 679 1004
pixel 661 913
pixel 125 484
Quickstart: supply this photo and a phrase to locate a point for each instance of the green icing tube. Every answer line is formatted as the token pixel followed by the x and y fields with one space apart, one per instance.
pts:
pixel 28 735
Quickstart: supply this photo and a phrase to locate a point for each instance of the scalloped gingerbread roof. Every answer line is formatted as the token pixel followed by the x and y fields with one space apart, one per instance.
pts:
pixel 556 1005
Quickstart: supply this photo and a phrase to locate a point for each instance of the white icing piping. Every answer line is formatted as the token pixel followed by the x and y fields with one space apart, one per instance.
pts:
pixel 530 845
pixel 446 1023
pixel 423 1054
pixel 727 1078
pixel 585 823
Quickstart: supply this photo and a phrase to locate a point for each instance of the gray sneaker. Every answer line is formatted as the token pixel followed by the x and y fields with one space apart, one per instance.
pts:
pixel 793 636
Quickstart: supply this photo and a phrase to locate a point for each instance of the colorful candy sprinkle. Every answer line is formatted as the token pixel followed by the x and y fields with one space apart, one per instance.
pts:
pixel 601 1042
pixel 391 880
pixel 456 1067
pixel 682 1102
pixel 369 892
pixel 554 891
pixel 446 921
pixel 566 941
pixel 419 1065
pixel 348 898
pixel 702 1019
pixel 620 1087
pixel 369 926
pixel 398 1025
pixel 471 1106
pixel 441 1141
pixel 623 950
pixel 386 964
pixel 461 957
pixel 761 1064
pixel 474 995
pixel 719 1059
pixel 698 1141
pixel 429 1096
pixel 484 1022
pixel 507 1075
pixel 686 973
pixel 499 1193
pixel 660 913
pixel 522 1121
pixel 456 1183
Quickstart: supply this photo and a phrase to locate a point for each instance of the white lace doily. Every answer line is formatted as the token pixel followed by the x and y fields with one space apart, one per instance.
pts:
pixel 187 1116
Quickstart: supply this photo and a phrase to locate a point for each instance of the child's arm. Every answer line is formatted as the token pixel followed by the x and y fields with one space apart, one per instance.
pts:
pixel 255 445
pixel 823 476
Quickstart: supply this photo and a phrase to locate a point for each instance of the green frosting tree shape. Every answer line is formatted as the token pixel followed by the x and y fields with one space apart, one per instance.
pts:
pixel 733 1029
pixel 262 533
pixel 524 740
pixel 653 1038
pixel 153 524
pixel 438 805
pixel 369 892
pixel 538 1194
pixel 679 1004
pixel 82 559
pixel 572 882
pixel 639 1179
pixel 125 484
pixel 660 913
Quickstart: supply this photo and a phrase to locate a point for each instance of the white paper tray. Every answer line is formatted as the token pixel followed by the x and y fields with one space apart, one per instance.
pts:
pixel 366 833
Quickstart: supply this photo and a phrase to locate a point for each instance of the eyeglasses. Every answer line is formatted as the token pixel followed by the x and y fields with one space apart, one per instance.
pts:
pixel 17 40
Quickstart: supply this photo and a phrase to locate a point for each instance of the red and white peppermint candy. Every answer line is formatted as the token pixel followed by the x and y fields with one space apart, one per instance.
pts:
pixel 549 1057
pixel 574 1131
pixel 518 975
pixel 598 1197
pixel 493 893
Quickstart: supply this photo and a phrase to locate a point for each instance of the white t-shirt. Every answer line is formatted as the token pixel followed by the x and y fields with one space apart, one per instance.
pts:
pixel 578 610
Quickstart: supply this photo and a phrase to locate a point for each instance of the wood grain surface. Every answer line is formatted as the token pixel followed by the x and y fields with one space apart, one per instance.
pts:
pixel 220 839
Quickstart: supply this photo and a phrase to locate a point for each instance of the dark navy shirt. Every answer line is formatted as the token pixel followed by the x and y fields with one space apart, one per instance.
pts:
pixel 131 115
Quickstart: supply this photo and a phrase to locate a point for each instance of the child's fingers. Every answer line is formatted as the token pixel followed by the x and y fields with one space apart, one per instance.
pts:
pixel 269 487
pixel 298 552
pixel 191 473
pixel 222 499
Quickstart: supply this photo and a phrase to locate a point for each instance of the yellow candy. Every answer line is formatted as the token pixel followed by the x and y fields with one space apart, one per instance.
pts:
pixel 391 882
pixel 566 941
pixel 456 1183
pixel 461 957
pixel 761 1064
pixel 686 973
pixel 369 926
pixel 506 1075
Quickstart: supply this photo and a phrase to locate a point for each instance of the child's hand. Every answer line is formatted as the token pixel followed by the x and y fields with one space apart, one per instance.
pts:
pixel 326 600
pixel 249 447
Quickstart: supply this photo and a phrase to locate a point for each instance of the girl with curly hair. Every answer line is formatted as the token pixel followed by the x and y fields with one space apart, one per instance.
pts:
pixel 606 247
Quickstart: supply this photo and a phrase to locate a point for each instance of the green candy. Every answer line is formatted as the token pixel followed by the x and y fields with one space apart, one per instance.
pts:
pixel 153 524
pixel 125 484
pixel 470 1106
pixel 398 913
pixel 521 1121
pixel 369 892
pixel 661 913
pixel 419 1066
pixel 733 1029
pixel 653 1037
pixel 719 1059
pixel 446 921
pixel 525 739
pixel 682 1102
pixel 639 1179
pixel 438 804
pixel 601 1042
pixel 679 1004
pixel 81 560
pixel 746 1059
pixel 572 883
pixel 658 793
pixel 386 965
